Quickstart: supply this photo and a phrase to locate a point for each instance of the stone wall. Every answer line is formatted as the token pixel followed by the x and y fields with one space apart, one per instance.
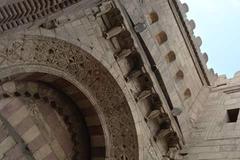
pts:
pixel 144 59
pixel 216 133
pixel 83 29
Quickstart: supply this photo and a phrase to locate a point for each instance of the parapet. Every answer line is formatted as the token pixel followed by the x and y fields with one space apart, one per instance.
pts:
pixel 197 42
pixel 212 75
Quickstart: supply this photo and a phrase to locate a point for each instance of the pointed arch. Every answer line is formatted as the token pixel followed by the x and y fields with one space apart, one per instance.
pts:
pixel 83 78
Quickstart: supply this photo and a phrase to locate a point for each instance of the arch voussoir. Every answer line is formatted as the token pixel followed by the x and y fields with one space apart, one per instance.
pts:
pixel 79 69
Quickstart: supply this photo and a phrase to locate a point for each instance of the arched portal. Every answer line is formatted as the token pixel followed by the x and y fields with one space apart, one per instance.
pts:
pixel 38 122
pixel 86 82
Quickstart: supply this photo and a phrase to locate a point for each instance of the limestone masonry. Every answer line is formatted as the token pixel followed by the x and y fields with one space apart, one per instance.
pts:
pixel 111 79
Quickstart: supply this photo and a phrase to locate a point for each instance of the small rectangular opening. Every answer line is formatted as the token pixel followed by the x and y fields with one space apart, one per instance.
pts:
pixel 220 85
pixel 232 115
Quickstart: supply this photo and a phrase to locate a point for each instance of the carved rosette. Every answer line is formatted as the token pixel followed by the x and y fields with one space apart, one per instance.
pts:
pixel 92 75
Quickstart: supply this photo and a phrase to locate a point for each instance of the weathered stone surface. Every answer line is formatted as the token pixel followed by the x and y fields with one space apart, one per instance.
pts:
pixel 77 81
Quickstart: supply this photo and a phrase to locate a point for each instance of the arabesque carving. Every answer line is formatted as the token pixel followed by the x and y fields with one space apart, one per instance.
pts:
pixel 92 75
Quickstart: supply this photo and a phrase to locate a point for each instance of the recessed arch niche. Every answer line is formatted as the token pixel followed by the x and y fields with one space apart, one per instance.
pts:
pixel 43 123
pixel 83 79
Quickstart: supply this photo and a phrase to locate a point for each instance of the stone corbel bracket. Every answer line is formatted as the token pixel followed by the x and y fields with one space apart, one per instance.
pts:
pixel 134 70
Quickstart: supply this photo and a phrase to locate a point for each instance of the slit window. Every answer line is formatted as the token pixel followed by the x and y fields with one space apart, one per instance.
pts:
pixel 153 17
pixel 232 115
pixel 171 57
pixel 161 37
pixel 220 85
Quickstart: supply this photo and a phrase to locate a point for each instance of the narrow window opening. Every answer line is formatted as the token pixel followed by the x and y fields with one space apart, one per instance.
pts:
pixel 232 115
pixel 153 17
pixel 187 93
pixel 220 85
pixel 179 75
pixel 171 57
pixel 161 37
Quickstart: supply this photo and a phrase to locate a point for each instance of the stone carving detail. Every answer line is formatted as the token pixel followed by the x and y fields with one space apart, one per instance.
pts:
pixel 15 14
pixel 92 75
pixel 38 94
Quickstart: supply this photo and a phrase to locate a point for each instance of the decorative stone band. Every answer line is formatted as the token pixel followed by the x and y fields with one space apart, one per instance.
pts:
pixel 15 14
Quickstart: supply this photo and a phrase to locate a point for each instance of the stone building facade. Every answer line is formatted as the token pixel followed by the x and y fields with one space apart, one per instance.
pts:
pixel 110 79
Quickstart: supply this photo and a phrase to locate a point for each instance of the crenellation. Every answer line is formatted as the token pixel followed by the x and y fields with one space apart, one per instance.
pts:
pixel 205 57
pixel 198 41
pixel 183 7
pixel 191 25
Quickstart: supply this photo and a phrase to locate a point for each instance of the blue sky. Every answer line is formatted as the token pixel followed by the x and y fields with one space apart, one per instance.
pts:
pixel 218 24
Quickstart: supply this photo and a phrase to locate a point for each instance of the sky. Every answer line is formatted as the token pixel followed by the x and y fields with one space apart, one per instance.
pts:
pixel 218 24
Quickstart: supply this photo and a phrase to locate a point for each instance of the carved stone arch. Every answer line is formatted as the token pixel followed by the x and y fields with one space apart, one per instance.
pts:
pixel 48 121
pixel 36 58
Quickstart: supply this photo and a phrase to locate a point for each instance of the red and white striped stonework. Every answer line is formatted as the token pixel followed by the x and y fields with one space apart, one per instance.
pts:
pixel 41 123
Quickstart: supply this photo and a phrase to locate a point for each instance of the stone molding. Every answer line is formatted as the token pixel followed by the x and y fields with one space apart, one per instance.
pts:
pixel 88 72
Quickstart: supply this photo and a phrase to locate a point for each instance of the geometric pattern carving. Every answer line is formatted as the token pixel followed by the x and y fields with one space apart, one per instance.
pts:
pixel 15 14
pixel 90 73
